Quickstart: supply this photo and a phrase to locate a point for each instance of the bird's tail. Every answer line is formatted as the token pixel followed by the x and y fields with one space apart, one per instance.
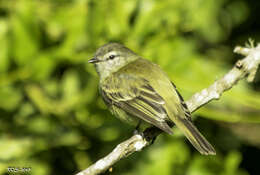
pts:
pixel 195 137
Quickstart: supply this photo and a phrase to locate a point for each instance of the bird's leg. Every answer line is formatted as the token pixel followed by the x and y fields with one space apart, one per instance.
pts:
pixel 153 139
pixel 137 129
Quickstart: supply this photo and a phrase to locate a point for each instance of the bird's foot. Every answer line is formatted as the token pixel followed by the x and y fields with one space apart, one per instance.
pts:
pixel 138 132
pixel 151 134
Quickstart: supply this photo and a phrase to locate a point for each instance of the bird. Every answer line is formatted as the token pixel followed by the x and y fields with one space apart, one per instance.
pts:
pixel 139 92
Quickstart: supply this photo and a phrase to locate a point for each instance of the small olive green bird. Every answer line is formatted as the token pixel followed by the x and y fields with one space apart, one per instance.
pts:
pixel 136 90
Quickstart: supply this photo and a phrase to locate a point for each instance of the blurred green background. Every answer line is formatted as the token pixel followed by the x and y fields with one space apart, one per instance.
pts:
pixel 52 118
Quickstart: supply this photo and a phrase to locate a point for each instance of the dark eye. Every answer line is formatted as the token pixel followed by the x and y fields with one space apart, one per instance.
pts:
pixel 111 57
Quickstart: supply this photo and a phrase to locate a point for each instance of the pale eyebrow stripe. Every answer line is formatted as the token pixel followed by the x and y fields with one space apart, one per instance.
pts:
pixel 110 53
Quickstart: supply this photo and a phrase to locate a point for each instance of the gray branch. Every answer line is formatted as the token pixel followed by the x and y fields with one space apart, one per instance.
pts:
pixel 245 68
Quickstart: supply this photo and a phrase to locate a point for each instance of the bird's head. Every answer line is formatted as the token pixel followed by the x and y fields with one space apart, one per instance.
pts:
pixel 111 57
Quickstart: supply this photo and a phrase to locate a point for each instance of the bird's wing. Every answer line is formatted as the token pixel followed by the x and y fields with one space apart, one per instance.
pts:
pixel 183 104
pixel 159 84
pixel 136 97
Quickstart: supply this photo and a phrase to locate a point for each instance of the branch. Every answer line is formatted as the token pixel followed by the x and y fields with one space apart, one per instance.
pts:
pixel 246 67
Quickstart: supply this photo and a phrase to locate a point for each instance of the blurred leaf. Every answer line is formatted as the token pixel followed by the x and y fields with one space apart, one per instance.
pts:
pixel 13 148
pixel 10 97
pixel 24 32
pixel 4 61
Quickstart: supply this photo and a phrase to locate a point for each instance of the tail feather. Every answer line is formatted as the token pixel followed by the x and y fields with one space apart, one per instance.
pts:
pixel 195 137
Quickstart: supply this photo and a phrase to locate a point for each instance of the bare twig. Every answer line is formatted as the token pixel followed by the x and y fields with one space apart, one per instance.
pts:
pixel 246 67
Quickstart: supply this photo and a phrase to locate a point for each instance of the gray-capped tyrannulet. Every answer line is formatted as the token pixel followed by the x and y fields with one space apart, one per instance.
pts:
pixel 137 90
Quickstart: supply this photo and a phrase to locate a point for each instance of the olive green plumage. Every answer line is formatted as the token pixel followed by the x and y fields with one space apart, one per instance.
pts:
pixel 136 90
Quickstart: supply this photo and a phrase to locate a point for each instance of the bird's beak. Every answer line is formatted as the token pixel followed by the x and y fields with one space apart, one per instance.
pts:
pixel 93 60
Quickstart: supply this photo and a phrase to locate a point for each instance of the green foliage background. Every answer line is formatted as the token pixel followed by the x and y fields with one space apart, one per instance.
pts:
pixel 52 118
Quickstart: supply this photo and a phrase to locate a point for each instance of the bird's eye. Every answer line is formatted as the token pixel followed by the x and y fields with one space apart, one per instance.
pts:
pixel 111 57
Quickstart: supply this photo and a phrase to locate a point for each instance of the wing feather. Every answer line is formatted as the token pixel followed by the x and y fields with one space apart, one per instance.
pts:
pixel 137 98
pixel 183 104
